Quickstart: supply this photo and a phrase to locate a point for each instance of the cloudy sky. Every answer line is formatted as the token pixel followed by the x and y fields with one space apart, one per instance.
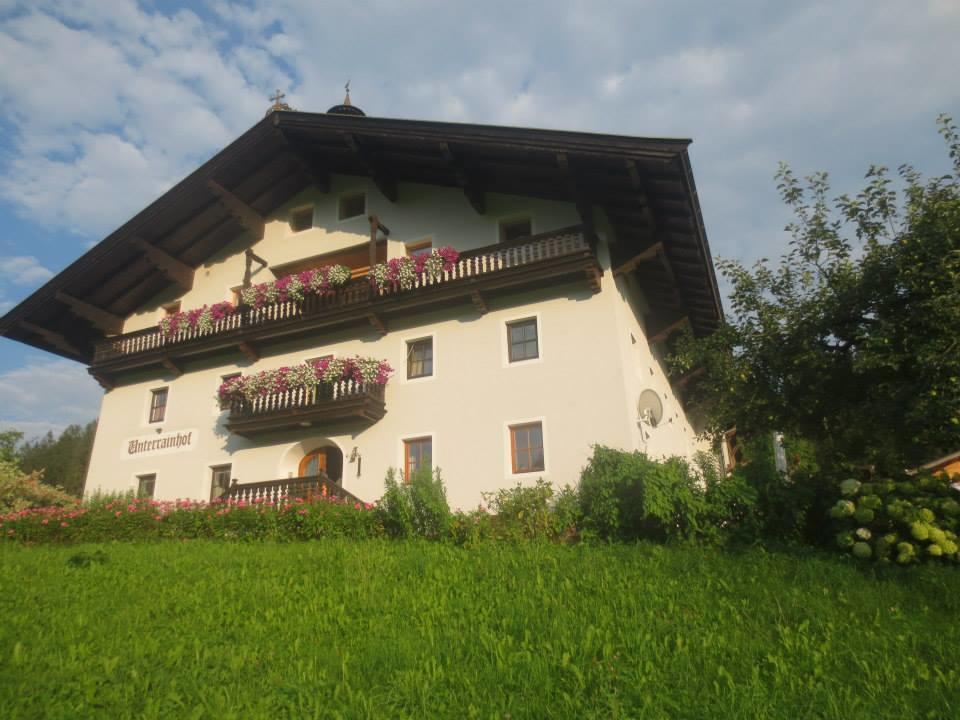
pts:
pixel 107 103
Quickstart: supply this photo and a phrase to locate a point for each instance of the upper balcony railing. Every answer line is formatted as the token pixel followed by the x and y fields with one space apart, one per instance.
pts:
pixel 526 262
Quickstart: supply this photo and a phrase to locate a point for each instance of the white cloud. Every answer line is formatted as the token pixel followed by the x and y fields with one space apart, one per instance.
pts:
pixel 47 394
pixel 23 270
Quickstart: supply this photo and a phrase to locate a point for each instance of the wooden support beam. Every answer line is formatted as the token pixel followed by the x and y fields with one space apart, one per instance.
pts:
pixel 309 164
pixel 176 270
pixel 244 213
pixel 375 227
pixel 472 191
pixel 630 265
pixel 385 183
pixel 106 383
pixel 54 338
pixel 249 351
pixel 684 380
pixel 664 331
pixel 479 302
pixel 108 322
pixel 378 323
pixel 170 365
pixel 248 272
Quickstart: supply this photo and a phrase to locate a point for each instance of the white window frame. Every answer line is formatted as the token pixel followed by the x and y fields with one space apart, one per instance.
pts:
pixel 505 340
pixel 508 472
pixel 135 483
pixel 403 353
pixel 402 460
pixel 148 401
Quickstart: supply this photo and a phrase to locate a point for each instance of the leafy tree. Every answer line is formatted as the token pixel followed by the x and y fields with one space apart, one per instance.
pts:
pixel 9 439
pixel 63 459
pixel 852 342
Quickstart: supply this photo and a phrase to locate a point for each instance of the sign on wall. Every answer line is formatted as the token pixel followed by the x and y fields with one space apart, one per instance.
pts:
pixel 162 444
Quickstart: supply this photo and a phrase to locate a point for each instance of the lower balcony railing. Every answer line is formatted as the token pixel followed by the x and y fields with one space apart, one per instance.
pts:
pixel 477 275
pixel 289 488
pixel 345 401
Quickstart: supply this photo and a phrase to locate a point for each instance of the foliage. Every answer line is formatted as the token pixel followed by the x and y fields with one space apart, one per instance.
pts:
pixel 730 503
pixel 532 512
pixel 321 281
pixel 199 320
pixel 63 459
pixel 348 629
pixel 9 450
pixel 305 376
pixel 19 491
pixel 851 342
pixel 417 508
pixel 908 520
pixel 403 272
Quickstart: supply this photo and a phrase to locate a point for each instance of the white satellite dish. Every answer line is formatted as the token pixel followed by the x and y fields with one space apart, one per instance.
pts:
pixel 649 408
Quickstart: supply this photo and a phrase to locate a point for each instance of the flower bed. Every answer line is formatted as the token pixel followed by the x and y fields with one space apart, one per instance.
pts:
pixel 201 319
pixel 307 375
pixel 319 281
pixel 404 271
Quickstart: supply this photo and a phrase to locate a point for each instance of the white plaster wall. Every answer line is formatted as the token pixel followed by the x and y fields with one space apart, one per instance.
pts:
pixel 583 387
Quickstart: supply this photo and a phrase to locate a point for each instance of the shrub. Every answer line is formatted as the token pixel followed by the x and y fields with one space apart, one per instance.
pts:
pixel 908 520
pixel 415 509
pixel 19 491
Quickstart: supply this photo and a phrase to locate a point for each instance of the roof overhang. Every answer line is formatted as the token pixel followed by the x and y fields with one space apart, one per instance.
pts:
pixel 645 186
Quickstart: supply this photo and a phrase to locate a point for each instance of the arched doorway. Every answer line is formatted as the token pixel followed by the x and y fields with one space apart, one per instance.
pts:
pixel 328 459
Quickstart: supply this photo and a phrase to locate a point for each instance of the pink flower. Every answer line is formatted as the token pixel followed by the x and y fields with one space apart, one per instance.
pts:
pixel 117 513
pixel 64 524
pixel 45 521
pixel 302 512
pixel 158 518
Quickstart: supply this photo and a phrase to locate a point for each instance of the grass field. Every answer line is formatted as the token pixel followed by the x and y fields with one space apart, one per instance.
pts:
pixel 392 629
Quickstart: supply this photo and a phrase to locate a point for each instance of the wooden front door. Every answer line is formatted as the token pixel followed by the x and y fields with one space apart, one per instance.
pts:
pixel 314 463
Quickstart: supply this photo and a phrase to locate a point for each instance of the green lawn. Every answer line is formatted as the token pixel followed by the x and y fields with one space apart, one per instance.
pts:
pixel 392 629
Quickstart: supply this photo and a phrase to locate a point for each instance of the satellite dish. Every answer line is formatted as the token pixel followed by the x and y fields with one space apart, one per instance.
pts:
pixel 649 408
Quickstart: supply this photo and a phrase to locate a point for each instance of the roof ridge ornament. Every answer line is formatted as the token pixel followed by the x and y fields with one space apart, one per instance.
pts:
pixel 346 100
pixel 346 107
pixel 278 103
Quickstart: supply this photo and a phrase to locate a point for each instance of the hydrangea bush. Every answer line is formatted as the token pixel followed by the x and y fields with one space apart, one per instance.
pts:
pixel 202 319
pixel 909 520
pixel 404 271
pixel 321 281
pixel 368 371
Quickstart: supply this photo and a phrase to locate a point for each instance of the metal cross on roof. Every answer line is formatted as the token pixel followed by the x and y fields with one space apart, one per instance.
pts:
pixel 277 98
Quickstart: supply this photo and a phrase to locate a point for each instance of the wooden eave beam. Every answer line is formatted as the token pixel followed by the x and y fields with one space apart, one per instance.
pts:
pixel 176 270
pixel 170 365
pixel 244 213
pixel 630 265
pixel 479 302
pixel 472 191
pixel 386 184
pixel 52 337
pixel 108 322
pixel 307 161
pixel 377 322
pixel 249 351
pixel 665 331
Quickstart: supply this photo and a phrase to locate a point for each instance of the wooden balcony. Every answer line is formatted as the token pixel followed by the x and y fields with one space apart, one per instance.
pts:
pixel 479 275
pixel 321 407
pixel 289 488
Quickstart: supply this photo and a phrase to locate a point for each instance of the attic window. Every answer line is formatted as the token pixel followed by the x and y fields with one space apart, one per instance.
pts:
pixel 301 219
pixel 514 229
pixel 351 206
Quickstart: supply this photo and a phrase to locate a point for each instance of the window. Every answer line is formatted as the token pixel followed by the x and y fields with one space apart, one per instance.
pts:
pixel 224 403
pixel 416 454
pixel 423 247
pixel 513 229
pixel 351 206
pixel 526 447
pixel 522 340
pixel 158 405
pixel 420 358
pixel 146 484
pixel 220 481
pixel 301 219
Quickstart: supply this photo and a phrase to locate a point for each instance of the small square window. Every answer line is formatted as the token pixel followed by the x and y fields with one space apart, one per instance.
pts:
pixel 523 341
pixel 146 485
pixel 515 229
pixel 417 453
pixel 301 219
pixel 420 358
pixel 220 481
pixel 225 403
pixel 158 405
pixel 526 447
pixel 423 247
pixel 351 206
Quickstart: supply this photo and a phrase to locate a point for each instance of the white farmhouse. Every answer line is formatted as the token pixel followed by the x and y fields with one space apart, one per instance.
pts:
pixel 577 254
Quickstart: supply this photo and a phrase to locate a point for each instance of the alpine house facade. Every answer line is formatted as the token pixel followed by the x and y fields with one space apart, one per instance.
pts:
pixel 243 346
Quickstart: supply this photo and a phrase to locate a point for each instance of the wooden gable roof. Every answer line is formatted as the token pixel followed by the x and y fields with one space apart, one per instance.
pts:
pixel 644 185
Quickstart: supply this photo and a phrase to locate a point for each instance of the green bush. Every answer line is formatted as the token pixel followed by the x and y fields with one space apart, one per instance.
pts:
pixel 415 509
pixel 19 491
pixel 908 520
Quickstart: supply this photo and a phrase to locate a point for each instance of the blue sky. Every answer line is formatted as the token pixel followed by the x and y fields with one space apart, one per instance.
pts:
pixel 108 103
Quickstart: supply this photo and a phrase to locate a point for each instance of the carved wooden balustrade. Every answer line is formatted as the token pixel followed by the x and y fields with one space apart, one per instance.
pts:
pixel 321 406
pixel 477 275
pixel 290 488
